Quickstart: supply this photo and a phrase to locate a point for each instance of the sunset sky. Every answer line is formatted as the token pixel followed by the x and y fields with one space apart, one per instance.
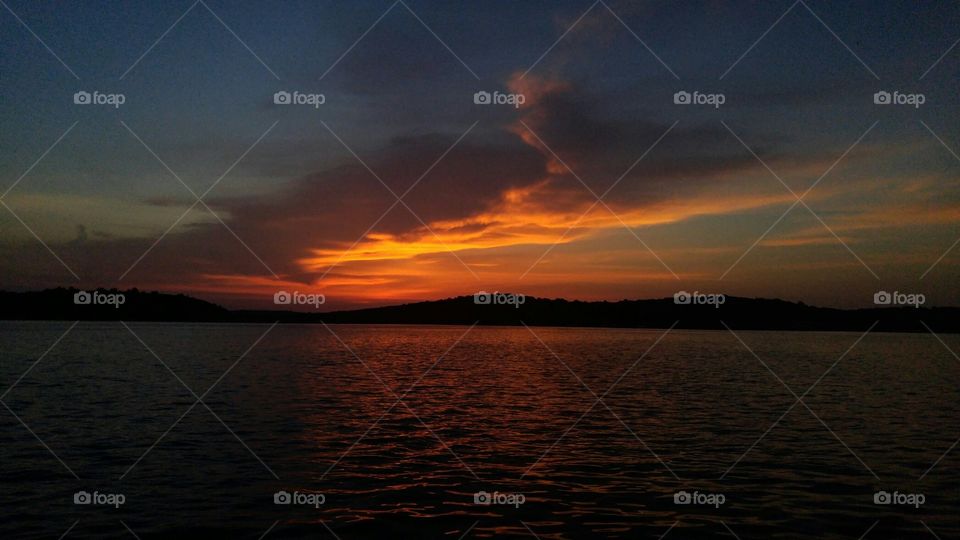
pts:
pixel 494 197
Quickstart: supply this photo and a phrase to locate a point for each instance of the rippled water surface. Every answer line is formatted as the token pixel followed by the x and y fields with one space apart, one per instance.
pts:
pixel 398 428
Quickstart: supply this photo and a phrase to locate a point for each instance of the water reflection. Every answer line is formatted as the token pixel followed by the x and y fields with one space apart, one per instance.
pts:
pixel 498 413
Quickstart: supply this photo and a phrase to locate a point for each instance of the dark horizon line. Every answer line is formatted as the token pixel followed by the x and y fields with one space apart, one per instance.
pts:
pixel 703 312
pixel 398 303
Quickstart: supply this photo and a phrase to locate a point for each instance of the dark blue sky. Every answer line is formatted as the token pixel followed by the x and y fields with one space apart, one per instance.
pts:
pixel 289 212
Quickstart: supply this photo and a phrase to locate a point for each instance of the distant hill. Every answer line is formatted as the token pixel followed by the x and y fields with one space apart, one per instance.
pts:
pixel 738 313
pixel 59 304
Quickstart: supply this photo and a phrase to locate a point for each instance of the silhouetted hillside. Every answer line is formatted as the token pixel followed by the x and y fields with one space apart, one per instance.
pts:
pixel 60 304
pixel 738 313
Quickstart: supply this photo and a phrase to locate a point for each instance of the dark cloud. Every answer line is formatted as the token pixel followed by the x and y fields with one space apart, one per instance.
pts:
pixel 328 209
pixel 333 208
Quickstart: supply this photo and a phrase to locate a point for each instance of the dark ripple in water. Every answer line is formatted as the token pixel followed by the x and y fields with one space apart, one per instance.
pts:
pixel 498 401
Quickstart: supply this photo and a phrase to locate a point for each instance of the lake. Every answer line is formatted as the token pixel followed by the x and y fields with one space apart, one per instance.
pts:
pixel 357 432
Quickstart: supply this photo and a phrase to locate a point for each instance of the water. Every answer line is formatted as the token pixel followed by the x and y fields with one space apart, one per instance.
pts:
pixel 486 410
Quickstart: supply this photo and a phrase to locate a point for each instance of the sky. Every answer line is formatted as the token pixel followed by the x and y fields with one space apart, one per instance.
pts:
pixel 786 180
